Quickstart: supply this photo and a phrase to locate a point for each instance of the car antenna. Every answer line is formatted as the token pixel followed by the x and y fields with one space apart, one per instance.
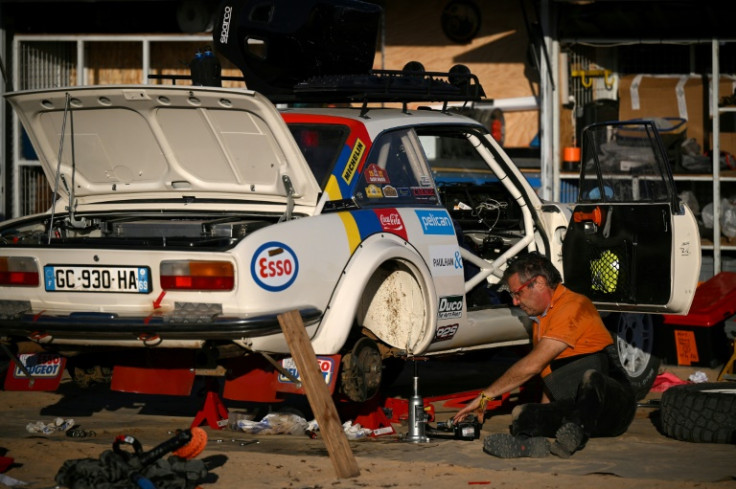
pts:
pixel 364 107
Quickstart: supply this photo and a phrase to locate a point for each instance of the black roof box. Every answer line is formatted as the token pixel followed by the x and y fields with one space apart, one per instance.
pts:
pixel 279 43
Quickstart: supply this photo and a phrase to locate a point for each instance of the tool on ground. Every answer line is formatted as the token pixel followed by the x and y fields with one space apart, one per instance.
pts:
pixel 417 416
pixel 186 444
pixel 138 469
pixel 467 429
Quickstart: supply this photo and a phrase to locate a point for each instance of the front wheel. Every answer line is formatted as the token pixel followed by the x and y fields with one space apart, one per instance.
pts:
pixel 633 336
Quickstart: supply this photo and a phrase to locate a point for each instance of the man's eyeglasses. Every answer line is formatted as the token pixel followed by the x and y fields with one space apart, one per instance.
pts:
pixel 516 293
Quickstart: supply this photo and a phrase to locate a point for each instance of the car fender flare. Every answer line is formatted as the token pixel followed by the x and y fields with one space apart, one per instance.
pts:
pixel 342 308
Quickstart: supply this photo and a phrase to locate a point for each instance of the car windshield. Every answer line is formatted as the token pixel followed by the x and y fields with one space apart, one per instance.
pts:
pixel 320 144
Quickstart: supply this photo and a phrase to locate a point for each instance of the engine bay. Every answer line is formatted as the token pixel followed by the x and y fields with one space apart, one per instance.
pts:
pixel 488 219
pixel 140 229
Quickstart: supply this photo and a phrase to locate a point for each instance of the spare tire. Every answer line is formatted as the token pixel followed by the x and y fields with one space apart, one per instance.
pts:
pixel 704 413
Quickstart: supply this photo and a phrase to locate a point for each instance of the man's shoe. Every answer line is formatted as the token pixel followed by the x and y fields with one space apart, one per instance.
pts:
pixel 568 439
pixel 505 445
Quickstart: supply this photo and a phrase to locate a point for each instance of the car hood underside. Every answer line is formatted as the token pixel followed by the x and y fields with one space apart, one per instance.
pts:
pixel 131 142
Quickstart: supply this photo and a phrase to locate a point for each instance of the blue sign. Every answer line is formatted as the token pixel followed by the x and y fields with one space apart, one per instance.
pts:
pixel 435 222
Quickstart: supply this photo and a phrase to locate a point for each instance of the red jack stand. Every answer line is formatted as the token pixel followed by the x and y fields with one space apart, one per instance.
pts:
pixel 375 419
pixel 369 415
pixel 213 411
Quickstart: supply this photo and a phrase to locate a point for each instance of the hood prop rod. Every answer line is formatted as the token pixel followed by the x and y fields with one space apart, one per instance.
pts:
pixel 289 198
pixel 58 168
pixel 76 223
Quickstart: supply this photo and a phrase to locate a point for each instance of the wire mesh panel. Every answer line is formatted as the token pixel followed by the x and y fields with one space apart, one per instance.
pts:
pixel 40 64
pixel 46 64
pixel 35 193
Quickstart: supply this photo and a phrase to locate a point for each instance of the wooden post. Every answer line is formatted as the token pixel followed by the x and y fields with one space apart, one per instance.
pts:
pixel 318 395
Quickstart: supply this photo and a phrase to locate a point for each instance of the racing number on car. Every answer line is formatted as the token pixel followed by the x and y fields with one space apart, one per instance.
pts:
pixel 274 266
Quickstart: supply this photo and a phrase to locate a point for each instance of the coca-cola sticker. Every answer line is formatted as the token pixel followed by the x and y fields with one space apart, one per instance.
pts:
pixel 391 222
pixel 274 266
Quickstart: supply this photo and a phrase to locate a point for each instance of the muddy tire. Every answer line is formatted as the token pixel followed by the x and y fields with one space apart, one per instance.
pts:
pixel 701 413
pixel 633 337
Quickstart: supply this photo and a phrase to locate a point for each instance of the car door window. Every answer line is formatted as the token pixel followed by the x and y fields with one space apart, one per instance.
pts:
pixel 623 163
pixel 321 145
pixel 395 173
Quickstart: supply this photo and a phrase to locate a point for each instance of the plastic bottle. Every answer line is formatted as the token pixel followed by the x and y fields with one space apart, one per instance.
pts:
pixel 195 67
pixel 211 69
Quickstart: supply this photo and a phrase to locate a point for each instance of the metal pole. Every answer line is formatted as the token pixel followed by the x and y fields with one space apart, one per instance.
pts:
pixel 715 117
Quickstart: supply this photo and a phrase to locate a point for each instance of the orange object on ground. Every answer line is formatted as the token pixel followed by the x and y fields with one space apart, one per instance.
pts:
pixel 195 446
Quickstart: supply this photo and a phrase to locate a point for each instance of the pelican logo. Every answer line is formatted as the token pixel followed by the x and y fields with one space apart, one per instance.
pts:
pixel 225 32
pixel 435 222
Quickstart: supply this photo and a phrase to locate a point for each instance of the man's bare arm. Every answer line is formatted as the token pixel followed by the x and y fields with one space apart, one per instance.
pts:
pixel 524 369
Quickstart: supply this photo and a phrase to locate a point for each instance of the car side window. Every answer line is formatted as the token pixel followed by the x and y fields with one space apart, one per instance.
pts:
pixel 396 172
pixel 321 145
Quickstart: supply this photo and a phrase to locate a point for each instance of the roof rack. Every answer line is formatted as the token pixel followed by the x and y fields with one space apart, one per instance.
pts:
pixel 393 86
pixel 398 86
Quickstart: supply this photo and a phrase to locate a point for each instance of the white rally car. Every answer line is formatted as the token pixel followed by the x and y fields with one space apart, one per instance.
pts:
pixel 187 218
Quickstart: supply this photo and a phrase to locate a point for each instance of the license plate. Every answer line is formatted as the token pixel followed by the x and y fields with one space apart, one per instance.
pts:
pixel 134 280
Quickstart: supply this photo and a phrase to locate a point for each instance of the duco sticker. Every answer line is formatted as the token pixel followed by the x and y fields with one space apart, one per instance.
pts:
pixel 451 307
pixel 274 266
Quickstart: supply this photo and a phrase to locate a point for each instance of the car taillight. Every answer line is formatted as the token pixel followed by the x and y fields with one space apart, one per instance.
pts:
pixel 18 271
pixel 197 275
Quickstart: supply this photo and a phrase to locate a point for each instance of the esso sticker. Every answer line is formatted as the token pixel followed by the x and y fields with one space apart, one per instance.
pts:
pixel 274 266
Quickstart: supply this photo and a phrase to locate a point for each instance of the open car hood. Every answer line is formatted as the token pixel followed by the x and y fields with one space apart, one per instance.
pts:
pixel 124 143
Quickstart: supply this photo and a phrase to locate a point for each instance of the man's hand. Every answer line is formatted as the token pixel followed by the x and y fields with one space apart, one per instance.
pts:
pixel 478 406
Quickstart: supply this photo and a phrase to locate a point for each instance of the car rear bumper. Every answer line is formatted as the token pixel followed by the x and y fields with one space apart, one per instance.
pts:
pixel 181 324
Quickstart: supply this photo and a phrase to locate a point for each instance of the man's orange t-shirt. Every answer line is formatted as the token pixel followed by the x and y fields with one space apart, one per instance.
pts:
pixel 573 319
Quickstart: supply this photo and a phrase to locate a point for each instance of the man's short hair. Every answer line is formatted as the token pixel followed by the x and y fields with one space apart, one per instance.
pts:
pixel 531 265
